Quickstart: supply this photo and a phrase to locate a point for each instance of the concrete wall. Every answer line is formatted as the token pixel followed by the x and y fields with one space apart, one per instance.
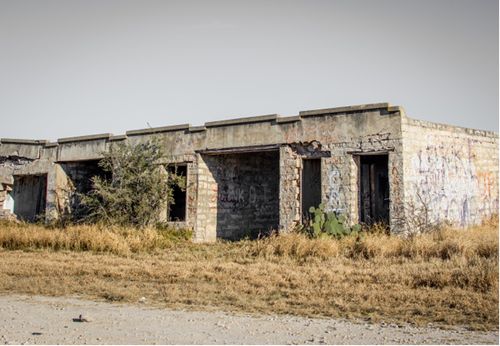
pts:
pixel 450 173
pixel 453 170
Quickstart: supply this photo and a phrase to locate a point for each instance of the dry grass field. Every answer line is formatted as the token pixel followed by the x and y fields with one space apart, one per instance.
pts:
pixel 448 277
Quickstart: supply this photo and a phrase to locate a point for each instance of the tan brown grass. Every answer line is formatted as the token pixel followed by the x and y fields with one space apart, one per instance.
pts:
pixel 448 278
pixel 96 238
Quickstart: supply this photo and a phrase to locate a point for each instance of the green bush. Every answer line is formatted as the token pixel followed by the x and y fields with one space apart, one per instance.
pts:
pixel 137 189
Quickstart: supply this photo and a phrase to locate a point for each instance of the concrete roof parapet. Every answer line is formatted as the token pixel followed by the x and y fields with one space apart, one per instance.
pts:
pixel 242 121
pixel 291 119
pixel 197 128
pixel 105 136
pixel 23 141
pixel 347 109
pixel 153 130
pixel 51 144
pixel 397 109
pixel 117 138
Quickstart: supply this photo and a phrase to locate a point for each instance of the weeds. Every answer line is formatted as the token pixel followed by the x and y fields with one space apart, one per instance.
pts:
pixel 447 277
pixel 95 238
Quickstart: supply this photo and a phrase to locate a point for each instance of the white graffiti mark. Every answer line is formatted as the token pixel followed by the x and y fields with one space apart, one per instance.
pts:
pixel 336 194
pixel 446 182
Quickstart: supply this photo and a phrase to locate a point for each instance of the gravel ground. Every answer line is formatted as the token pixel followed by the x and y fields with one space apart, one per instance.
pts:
pixel 44 320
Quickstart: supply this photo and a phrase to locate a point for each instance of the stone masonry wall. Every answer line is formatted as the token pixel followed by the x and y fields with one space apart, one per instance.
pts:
pixel 247 193
pixel 289 189
pixel 450 173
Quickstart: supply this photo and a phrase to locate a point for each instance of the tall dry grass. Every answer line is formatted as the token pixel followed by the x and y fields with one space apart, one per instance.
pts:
pixel 481 241
pixel 95 238
pixel 448 277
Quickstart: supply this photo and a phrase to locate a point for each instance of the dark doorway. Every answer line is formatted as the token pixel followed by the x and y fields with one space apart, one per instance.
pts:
pixel 177 210
pixel 80 174
pixel 247 187
pixel 29 196
pixel 311 185
pixel 374 189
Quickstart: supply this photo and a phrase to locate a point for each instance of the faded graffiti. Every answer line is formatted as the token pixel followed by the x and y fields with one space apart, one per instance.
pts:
pixel 447 184
pixel 250 196
pixel 336 193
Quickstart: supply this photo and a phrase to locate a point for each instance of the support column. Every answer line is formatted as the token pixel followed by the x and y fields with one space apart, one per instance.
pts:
pixel 289 199
pixel 205 229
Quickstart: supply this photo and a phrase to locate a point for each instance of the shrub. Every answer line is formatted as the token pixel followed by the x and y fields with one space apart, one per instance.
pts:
pixel 137 189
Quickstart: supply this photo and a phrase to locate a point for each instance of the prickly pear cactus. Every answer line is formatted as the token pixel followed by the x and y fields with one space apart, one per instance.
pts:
pixel 329 224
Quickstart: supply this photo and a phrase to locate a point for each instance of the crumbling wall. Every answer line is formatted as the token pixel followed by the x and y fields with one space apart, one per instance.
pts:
pixel 6 200
pixel 29 158
pixel 450 174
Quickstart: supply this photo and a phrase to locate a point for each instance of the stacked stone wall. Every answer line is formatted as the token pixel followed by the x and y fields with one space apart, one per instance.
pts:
pixel 247 193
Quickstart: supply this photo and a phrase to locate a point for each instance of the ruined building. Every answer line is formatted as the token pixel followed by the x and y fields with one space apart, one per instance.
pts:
pixel 369 162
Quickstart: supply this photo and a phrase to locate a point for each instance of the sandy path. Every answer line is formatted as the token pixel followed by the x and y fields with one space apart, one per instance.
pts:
pixel 43 320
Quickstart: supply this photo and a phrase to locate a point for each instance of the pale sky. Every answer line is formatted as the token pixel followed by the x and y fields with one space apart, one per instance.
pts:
pixel 71 67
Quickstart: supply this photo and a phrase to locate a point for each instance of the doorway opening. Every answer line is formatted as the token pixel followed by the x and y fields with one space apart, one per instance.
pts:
pixel 177 209
pixel 374 189
pixel 29 196
pixel 244 193
pixel 311 185
pixel 80 174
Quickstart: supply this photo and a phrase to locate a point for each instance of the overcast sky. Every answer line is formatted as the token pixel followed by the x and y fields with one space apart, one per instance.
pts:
pixel 74 67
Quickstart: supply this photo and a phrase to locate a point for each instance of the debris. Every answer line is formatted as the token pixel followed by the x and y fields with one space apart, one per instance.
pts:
pixel 82 318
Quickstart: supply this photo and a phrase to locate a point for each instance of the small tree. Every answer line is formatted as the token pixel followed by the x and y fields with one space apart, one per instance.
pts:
pixel 136 189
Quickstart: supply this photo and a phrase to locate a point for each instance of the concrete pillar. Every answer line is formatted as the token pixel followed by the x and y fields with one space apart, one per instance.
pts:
pixel 205 229
pixel 289 199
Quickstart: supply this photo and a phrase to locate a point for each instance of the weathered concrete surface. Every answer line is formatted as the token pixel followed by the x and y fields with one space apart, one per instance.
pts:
pixel 42 320
pixel 449 171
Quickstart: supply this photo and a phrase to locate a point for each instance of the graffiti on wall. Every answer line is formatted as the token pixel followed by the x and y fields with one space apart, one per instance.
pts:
pixel 446 182
pixel 336 190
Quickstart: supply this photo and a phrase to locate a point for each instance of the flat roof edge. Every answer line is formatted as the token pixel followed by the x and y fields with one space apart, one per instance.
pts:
pixel 345 109
pixel 84 138
pixel 161 129
pixel 197 128
pixel 242 121
pixel 236 150
pixel 23 141
pixel 451 127
pixel 291 119
pixel 117 138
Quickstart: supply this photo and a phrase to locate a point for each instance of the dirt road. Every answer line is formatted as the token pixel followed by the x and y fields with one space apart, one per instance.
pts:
pixel 43 320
